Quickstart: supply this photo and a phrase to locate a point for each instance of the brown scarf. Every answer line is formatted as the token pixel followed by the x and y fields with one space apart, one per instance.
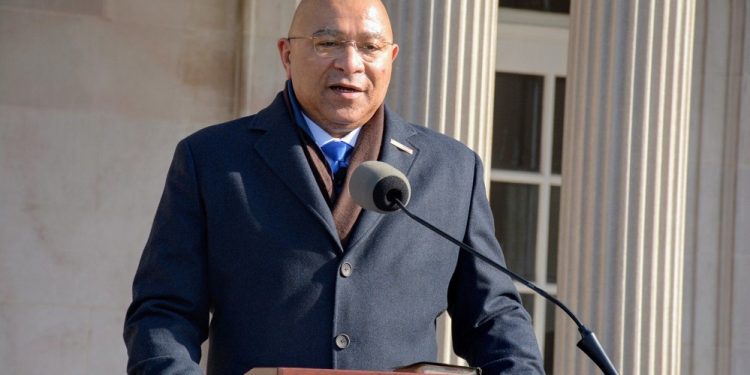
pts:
pixel 345 211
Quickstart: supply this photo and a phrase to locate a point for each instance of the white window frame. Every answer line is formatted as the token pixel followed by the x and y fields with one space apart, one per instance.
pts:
pixel 535 43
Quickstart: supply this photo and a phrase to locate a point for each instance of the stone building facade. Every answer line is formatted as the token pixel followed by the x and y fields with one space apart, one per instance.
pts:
pixel 655 199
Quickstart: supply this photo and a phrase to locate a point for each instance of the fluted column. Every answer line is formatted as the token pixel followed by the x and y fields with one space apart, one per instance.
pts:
pixel 444 78
pixel 716 334
pixel 261 75
pixel 445 73
pixel 624 178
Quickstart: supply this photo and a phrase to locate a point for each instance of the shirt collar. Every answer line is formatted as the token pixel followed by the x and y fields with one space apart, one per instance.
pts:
pixel 321 137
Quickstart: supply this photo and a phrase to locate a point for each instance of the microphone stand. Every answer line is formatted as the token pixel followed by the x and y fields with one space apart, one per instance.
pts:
pixel 589 344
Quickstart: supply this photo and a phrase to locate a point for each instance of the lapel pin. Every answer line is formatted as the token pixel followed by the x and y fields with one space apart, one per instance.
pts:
pixel 402 147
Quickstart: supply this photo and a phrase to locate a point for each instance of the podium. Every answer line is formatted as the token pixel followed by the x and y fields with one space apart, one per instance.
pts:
pixel 428 368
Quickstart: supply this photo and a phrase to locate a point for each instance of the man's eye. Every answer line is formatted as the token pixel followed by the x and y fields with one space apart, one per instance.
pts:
pixel 328 43
pixel 370 47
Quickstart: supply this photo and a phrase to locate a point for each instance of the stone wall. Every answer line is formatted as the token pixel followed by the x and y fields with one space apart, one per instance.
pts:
pixel 94 96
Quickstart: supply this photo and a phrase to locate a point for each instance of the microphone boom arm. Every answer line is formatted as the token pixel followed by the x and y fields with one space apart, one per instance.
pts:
pixel 588 343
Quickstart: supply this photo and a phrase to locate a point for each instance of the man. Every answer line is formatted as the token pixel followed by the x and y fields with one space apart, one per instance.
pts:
pixel 257 229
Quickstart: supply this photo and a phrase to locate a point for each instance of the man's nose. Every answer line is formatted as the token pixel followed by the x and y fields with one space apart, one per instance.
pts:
pixel 350 60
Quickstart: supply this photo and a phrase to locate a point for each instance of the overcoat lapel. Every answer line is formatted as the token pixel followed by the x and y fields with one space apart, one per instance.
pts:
pixel 281 149
pixel 398 130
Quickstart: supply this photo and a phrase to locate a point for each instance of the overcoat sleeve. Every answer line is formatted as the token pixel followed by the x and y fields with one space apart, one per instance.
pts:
pixel 168 318
pixel 491 329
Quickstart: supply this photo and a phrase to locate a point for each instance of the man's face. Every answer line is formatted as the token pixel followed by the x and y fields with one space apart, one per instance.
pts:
pixel 340 93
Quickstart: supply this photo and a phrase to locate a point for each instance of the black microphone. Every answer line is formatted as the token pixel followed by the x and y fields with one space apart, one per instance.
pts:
pixel 377 186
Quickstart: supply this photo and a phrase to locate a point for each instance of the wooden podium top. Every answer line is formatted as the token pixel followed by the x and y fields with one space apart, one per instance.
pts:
pixel 417 368
pixel 310 371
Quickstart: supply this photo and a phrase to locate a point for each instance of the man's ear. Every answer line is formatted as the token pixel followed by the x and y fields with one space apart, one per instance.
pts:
pixel 394 52
pixel 285 53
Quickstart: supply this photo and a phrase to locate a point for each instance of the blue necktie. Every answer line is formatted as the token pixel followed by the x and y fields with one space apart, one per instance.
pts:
pixel 338 152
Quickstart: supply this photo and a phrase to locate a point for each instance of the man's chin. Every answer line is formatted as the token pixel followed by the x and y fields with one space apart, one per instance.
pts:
pixel 342 126
pixel 349 120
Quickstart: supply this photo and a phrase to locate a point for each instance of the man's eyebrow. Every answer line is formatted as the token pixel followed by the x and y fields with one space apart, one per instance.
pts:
pixel 328 32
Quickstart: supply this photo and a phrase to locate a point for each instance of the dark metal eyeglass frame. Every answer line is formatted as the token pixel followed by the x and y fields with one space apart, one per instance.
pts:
pixel 339 48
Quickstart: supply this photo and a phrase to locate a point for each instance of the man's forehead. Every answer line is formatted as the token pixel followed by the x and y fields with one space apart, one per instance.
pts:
pixel 342 17
pixel 334 32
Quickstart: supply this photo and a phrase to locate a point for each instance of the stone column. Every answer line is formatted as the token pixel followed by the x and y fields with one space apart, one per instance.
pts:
pixel 716 331
pixel 260 74
pixel 624 182
pixel 445 73
pixel 624 178
pixel 444 78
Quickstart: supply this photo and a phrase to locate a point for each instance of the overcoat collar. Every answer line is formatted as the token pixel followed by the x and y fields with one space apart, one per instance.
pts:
pixel 282 151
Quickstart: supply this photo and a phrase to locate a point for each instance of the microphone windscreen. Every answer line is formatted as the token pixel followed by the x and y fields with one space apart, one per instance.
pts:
pixel 376 185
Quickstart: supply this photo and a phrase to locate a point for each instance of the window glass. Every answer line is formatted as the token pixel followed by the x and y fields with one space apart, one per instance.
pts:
pixel 514 207
pixel 554 230
pixel 554 6
pixel 558 121
pixel 517 121
pixel 549 337
pixel 527 300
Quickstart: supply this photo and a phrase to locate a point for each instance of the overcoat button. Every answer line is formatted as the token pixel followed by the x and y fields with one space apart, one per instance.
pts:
pixel 346 270
pixel 342 341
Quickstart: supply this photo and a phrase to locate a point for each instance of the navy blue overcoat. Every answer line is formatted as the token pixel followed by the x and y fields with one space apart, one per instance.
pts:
pixel 244 252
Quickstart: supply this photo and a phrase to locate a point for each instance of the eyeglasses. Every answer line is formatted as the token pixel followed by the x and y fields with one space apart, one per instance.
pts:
pixel 329 46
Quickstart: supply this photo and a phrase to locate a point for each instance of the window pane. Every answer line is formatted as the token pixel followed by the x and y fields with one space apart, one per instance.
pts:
pixel 527 300
pixel 555 6
pixel 559 119
pixel 517 121
pixel 514 207
pixel 549 338
pixel 554 230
